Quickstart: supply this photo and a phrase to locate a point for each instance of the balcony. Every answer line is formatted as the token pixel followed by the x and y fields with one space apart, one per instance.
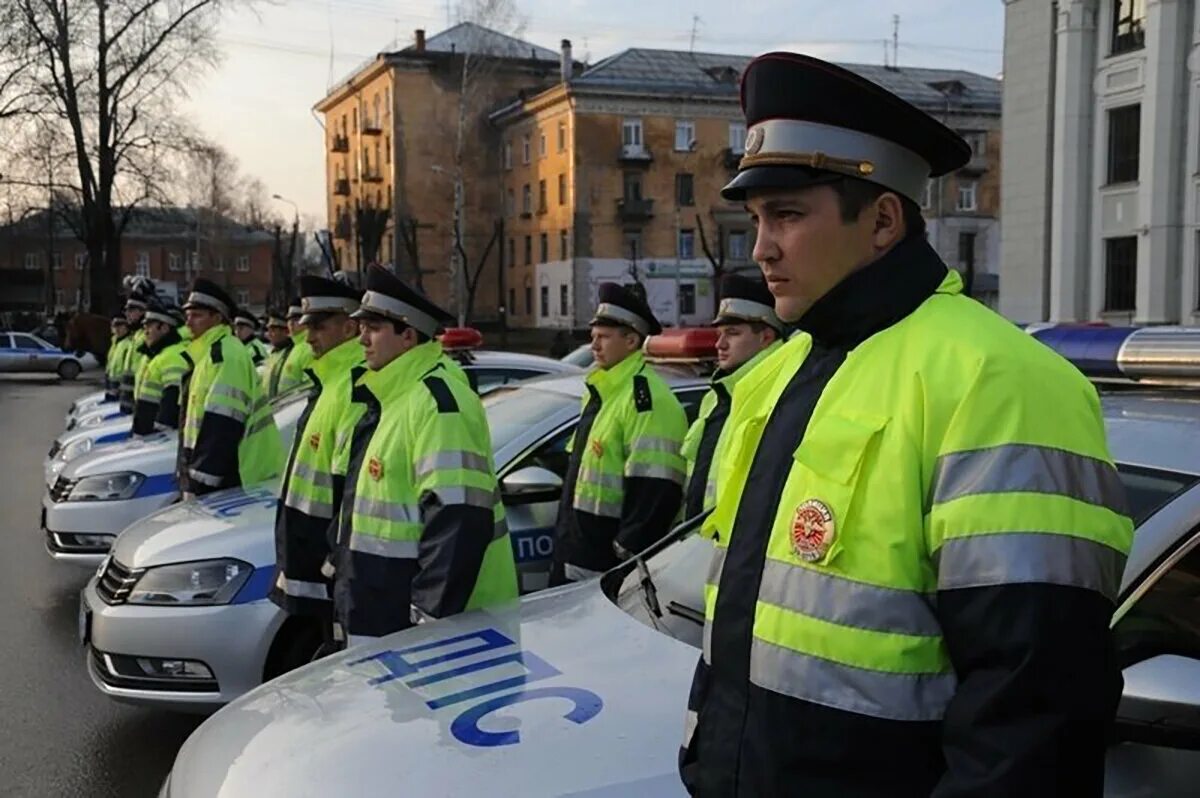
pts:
pixel 340 144
pixel 341 187
pixel 372 127
pixel 342 228
pixel 634 155
pixel 372 176
pixel 635 210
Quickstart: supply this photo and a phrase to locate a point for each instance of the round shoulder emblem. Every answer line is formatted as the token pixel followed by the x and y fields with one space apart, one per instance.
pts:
pixel 314 441
pixel 754 140
pixel 375 468
pixel 813 530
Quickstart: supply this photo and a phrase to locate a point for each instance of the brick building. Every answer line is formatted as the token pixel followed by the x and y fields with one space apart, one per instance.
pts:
pixel 44 265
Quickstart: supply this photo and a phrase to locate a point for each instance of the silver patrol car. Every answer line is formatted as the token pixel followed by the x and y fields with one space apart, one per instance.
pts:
pixel 26 352
pixel 582 690
pixel 157 616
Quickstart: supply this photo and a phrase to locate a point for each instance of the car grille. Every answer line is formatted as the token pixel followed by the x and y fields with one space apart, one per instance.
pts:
pixel 55 449
pixel 116 582
pixel 62 489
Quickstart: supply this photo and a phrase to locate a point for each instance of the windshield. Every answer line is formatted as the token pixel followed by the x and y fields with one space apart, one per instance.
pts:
pixel 678 570
pixel 511 411
pixel 581 357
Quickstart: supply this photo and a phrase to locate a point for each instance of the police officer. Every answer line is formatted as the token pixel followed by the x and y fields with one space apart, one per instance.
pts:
pixel 156 399
pixel 245 326
pixel 134 358
pixel 625 476
pixel 293 372
pixel 281 346
pixel 919 531
pixel 229 435
pixel 313 483
pixel 749 331
pixel 114 361
pixel 422 523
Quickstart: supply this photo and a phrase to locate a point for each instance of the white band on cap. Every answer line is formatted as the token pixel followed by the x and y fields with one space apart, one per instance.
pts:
pixel 166 319
pixel 607 310
pixel 747 310
pixel 208 301
pixel 328 304
pixel 135 303
pixel 295 310
pixel 384 305
pixel 793 142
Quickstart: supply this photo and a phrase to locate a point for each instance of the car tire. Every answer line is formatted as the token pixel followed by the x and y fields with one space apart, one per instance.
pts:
pixel 69 369
pixel 295 644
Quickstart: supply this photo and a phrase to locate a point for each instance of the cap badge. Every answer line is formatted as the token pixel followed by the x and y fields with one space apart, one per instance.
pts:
pixel 813 530
pixel 597 447
pixel 314 441
pixel 754 140
pixel 375 468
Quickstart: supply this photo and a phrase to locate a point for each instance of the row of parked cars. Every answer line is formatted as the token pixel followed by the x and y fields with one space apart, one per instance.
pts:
pixel 576 690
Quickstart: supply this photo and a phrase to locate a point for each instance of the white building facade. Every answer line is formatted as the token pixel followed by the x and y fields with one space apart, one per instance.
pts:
pixel 1100 193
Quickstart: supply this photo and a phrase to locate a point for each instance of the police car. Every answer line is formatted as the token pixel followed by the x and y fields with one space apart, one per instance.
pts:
pixel 179 580
pixel 582 690
pixel 26 352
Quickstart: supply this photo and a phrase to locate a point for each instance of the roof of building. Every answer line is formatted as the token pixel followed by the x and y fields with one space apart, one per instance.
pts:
pixel 164 222
pixel 473 38
pixel 675 71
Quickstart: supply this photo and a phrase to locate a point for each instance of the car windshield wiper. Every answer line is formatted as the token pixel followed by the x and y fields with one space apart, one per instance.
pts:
pixel 646 583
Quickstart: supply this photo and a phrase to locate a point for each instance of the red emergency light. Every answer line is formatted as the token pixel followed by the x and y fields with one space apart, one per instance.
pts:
pixel 683 343
pixel 461 338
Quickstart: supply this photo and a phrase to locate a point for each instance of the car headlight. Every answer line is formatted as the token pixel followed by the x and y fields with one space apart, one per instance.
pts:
pixel 106 487
pixel 76 449
pixel 202 583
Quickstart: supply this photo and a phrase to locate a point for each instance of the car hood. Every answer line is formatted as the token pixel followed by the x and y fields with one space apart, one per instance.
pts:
pixel 228 523
pixel 122 424
pixel 150 455
pixel 440 710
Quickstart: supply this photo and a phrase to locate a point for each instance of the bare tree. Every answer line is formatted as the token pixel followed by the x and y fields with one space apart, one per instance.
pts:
pixel 716 258
pixel 108 73
pixel 17 94
pixel 474 273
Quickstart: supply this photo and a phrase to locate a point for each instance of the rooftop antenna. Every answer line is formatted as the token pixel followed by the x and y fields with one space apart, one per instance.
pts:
pixel 895 41
pixel 692 43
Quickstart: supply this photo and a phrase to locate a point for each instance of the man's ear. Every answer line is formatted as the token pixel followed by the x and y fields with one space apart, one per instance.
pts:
pixel 889 220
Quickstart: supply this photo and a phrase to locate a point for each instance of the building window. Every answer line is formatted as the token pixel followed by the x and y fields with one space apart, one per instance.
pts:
pixel 80 262
pixel 528 250
pixel 967 195
pixel 173 262
pixel 541 144
pixel 31 261
pixel 243 263
pixel 562 136
pixel 56 261
pixel 1120 273
pixel 966 250
pixel 977 142
pixel 142 267
pixel 512 301
pixel 563 303
pixel 543 202
pixel 737 138
pixel 687 298
pixel 685 194
pixel 737 245
pixel 510 203
pixel 562 189
pixel 59 295
pixel 194 258
pixel 508 155
pixel 526 199
pixel 685 135
pixel 544 296
pixel 512 254
pixel 1129 26
pixel 528 301
pixel 632 183
pixel 687 244
pixel 1124 134
pixel 631 244
pixel 242 297
pixel 631 135
pixel 525 149
pixel 387 149
pixel 544 247
pixel 564 245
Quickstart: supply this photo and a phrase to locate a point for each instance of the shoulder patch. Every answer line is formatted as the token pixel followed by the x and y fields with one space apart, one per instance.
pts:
pixel 641 394
pixel 216 353
pixel 187 359
pixel 446 402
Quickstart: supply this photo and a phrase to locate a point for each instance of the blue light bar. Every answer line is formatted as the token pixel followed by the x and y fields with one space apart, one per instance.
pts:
pixel 1153 354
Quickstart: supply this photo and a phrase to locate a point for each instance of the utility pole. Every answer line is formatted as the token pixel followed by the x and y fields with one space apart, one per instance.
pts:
pixel 695 23
pixel 895 41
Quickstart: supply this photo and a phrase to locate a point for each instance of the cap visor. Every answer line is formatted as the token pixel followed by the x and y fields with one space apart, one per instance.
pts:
pixel 367 314
pixel 766 177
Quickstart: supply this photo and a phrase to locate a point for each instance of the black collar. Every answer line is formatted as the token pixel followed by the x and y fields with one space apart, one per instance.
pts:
pixel 171 337
pixel 876 296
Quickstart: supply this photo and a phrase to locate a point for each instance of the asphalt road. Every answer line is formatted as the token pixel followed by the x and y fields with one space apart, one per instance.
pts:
pixel 58 735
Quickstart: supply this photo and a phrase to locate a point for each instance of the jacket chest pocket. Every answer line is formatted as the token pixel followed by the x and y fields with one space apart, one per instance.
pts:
pixel 816 514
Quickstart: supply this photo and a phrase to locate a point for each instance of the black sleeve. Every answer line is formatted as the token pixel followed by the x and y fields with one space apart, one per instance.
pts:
pixel 1038 686
pixel 168 408
pixel 453 542
pixel 125 395
pixel 649 507
pixel 144 414
pixel 214 461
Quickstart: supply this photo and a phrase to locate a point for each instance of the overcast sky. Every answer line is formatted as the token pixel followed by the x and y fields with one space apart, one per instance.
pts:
pixel 281 58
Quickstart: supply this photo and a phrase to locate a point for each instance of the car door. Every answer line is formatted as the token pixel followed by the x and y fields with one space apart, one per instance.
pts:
pixel 8 356
pixel 31 356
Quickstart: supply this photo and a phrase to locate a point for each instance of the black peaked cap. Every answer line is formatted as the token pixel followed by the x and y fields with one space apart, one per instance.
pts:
pixel 203 294
pixel 620 305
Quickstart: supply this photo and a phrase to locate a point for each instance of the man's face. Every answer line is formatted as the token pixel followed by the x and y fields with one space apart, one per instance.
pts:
pixel 276 334
pixel 201 320
pixel 611 345
pixel 244 332
pixel 804 248
pixel 382 344
pixel 155 330
pixel 330 330
pixel 134 315
pixel 294 325
pixel 120 330
pixel 737 343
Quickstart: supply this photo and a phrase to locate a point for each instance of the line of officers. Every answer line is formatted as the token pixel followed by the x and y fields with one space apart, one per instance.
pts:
pixel 390 508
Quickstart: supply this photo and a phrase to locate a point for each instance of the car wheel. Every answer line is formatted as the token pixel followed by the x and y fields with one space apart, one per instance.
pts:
pixel 295 644
pixel 69 369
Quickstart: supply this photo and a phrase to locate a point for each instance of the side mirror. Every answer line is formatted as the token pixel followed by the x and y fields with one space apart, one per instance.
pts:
pixel 532 483
pixel 1161 703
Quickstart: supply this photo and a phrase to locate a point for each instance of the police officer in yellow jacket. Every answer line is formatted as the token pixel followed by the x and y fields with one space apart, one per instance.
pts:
pixel 114 360
pixel 133 357
pixel 919 531
pixel 422 523
pixel 281 345
pixel 229 437
pixel 625 476
pixel 293 372
pixel 749 331
pixel 156 399
pixel 245 326
pixel 313 483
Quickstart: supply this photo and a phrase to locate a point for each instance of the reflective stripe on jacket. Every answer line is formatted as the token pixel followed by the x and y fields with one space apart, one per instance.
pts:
pixel 156 400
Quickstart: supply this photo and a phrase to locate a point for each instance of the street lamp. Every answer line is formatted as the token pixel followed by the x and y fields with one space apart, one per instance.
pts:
pixel 291 270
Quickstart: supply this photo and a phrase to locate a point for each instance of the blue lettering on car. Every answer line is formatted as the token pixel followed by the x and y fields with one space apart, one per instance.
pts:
pixel 224 506
pixel 532 545
pixel 400 664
